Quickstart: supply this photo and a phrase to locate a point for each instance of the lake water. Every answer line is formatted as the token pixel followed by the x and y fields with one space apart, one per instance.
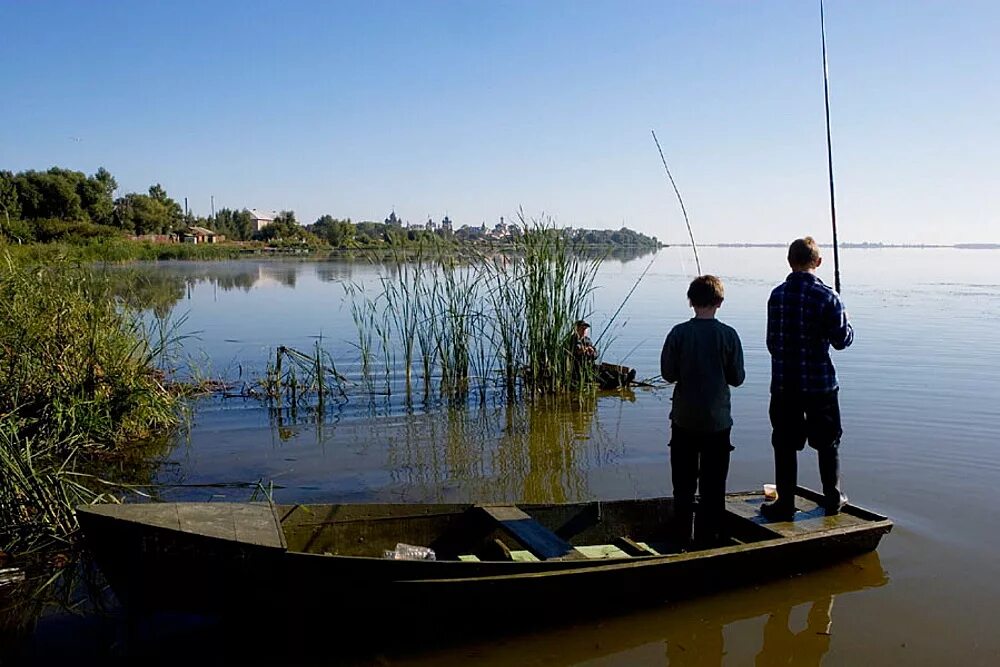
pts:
pixel 919 394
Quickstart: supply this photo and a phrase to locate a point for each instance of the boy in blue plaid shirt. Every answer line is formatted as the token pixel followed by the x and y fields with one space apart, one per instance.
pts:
pixel 805 318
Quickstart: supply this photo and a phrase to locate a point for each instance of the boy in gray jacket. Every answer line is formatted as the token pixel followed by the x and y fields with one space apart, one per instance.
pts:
pixel 704 357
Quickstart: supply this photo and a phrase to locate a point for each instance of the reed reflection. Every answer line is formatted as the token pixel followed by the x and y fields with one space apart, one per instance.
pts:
pixel 535 452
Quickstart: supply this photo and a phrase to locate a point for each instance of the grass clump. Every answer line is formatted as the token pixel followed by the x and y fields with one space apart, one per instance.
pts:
pixel 75 361
pixel 79 382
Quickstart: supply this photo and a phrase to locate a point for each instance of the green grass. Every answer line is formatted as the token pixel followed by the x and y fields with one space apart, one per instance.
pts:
pixel 121 250
pixel 80 382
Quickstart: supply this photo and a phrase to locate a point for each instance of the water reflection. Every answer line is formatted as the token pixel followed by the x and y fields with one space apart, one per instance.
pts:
pixel 746 626
pixel 160 286
pixel 806 647
pixel 535 452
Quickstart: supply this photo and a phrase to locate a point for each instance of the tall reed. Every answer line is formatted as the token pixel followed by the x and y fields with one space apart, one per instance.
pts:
pixel 484 320
pixel 480 325
pixel 79 382
pixel 39 488
pixel 74 360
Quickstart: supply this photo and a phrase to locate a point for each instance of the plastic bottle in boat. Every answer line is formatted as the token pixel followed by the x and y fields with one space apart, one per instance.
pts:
pixel 410 552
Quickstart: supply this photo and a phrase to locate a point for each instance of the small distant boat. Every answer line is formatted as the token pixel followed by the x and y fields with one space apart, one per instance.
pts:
pixel 230 558
pixel 613 376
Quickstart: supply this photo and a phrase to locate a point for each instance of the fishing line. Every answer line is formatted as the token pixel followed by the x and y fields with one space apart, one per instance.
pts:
pixel 694 246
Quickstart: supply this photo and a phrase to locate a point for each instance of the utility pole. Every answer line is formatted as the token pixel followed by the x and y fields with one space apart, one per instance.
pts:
pixel 213 209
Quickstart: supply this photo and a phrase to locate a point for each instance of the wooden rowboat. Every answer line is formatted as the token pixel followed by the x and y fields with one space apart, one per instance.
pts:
pixel 228 558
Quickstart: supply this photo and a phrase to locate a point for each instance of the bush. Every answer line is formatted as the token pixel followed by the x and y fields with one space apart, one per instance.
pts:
pixel 51 229
pixel 16 230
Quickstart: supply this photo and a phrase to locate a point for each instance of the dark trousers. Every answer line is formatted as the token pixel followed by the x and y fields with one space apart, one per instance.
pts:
pixel 795 420
pixel 699 461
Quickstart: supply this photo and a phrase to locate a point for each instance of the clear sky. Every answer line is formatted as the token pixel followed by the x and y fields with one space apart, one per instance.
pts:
pixel 476 108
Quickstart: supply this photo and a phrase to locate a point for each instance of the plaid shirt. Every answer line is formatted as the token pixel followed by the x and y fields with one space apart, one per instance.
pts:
pixel 804 318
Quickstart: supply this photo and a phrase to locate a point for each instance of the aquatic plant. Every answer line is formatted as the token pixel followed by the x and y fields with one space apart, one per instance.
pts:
pixel 75 360
pixel 544 289
pixel 476 325
pixel 296 378
pixel 39 489
pixel 81 380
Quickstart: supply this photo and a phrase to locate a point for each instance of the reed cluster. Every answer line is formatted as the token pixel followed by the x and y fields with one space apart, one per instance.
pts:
pixel 75 361
pixel 295 378
pixel 80 380
pixel 463 328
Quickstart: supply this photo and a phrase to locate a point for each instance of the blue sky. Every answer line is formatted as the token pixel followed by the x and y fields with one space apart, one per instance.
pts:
pixel 477 108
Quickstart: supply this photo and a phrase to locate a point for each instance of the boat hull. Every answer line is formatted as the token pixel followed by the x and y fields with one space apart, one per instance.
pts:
pixel 202 566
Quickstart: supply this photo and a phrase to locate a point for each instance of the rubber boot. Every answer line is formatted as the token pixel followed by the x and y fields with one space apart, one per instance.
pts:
pixel 829 475
pixel 786 470
pixel 682 526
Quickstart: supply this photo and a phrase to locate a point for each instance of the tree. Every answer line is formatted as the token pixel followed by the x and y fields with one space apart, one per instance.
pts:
pixel 157 192
pixel 9 205
pixel 50 194
pixel 174 210
pixel 234 224
pixel 144 214
pixel 285 229
pixel 338 233
pixel 286 217
pixel 97 196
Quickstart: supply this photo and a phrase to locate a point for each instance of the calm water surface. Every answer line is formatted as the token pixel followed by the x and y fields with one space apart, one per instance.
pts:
pixel 919 393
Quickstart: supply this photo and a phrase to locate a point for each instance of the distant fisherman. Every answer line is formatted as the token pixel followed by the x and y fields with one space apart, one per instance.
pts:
pixel 585 366
pixel 804 318
pixel 580 344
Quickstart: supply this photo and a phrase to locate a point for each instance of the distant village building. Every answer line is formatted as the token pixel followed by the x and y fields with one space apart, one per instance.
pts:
pixel 446 224
pixel 260 219
pixel 201 235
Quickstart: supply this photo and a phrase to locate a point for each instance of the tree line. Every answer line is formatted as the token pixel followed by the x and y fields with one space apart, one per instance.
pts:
pixel 62 204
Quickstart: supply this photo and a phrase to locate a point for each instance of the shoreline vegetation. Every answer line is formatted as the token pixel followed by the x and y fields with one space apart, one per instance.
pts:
pixel 82 383
pixel 60 212
pixel 88 406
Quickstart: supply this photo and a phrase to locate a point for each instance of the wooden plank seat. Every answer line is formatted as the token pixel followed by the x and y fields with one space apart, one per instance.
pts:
pixel 633 548
pixel 535 537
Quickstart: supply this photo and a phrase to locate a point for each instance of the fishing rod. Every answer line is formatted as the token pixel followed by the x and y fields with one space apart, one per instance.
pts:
pixel 829 150
pixel 694 247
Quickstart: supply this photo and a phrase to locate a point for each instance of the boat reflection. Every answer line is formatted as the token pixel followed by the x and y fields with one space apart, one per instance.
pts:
pixel 746 626
pixel 805 647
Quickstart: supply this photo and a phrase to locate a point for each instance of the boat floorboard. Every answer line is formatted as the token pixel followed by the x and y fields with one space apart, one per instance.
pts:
pixel 810 517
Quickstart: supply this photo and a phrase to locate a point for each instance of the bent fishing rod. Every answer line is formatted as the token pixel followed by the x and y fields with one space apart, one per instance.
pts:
pixel 829 150
pixel 694 247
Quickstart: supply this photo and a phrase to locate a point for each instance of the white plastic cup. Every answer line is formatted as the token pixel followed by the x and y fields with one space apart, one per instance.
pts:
pixel 770 492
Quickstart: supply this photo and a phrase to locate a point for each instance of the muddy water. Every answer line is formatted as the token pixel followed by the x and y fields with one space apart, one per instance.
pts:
pixel 919 402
